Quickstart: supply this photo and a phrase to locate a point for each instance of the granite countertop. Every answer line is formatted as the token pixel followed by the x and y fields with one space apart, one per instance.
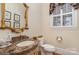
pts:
pixel 22 49
pixel 13 49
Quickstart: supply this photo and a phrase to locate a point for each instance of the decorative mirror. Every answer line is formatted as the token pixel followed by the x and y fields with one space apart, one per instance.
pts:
pixel 14 16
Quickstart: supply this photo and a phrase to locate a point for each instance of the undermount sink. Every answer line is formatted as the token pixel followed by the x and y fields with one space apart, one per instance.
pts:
pixel 25 43
pixel 48 47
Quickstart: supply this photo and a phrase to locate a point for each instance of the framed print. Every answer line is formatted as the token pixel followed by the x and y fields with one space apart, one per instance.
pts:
pixel 16 17
pixel 16 25
pixel 7 24
pixel 7 15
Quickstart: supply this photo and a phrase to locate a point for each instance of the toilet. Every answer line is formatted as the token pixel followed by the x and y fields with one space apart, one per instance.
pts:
pixel 46 49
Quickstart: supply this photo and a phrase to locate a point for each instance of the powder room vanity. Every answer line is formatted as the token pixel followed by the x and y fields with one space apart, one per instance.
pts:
pixel 21 45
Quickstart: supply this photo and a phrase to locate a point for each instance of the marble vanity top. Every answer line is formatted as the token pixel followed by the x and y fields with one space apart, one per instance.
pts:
pixel 4 44
pixel 20 48
pixel 18 45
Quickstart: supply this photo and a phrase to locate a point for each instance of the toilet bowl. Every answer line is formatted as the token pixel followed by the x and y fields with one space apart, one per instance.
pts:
pixel 44 47
pixel 48 47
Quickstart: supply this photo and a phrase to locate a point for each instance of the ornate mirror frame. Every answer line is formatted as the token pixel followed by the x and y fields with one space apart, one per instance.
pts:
pixel 2 15
pixel 12 29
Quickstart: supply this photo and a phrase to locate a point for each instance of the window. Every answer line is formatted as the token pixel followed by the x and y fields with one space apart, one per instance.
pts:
pixel 63 16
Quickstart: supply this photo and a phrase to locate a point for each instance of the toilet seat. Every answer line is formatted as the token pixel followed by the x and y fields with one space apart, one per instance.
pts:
pixel 48 47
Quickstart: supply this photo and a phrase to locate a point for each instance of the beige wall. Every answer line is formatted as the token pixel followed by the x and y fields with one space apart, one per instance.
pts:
pixel 70 35
pixel 33 21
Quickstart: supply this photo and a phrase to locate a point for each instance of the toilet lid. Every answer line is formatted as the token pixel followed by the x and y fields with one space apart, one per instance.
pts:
pixel 48 46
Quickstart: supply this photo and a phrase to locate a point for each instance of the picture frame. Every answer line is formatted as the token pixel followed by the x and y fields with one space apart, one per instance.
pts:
pixel 16 25
pixel 7 24
pixel 16 17
pixel 7 15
